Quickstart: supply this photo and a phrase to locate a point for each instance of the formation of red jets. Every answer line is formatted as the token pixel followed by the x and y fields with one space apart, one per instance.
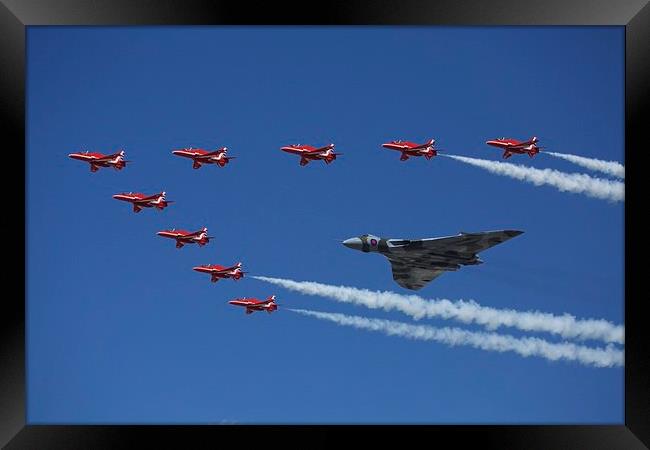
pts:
pixel 182 237
pixel 220 158
pixel 307 153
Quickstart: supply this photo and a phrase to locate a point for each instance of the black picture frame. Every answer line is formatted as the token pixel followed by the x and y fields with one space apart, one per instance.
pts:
pixel 16 15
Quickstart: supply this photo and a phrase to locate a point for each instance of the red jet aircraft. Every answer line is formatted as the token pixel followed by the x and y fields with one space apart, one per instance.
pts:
pixel 253 304
pixel 185 237
pixel 217 272
pixel 201 156
pixel 412 149
pixel 142 201
pixel 511 146
pixel 97 160
pixel 308 153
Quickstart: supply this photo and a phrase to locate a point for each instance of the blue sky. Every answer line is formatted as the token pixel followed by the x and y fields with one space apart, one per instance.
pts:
pixel 121 330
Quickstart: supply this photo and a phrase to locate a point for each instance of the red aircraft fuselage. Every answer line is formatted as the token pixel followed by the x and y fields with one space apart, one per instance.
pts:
pixel 409 149
pixel 510 146
pixel 309 153
pixel 218 272
pixel 201 156
pixel 186 237
pixel 140 201
pixel 253 304
pixel 97 160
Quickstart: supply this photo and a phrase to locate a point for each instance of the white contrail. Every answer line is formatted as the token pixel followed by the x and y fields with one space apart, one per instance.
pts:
pixel 612 168
pixel 417 307
pixel 578 183
pixel 528 346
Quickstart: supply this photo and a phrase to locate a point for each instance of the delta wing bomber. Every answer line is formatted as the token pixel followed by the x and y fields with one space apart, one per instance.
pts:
pixel 415 262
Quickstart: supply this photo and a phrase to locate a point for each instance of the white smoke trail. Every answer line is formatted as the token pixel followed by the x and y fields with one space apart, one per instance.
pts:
pixel 417 307
pixel 612 168
pixel 598 357
pixel 578 183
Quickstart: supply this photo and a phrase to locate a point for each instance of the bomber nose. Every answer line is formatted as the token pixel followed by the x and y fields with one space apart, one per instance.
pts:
pixel 354 243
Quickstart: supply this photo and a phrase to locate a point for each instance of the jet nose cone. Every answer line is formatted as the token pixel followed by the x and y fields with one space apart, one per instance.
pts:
pixel 354 243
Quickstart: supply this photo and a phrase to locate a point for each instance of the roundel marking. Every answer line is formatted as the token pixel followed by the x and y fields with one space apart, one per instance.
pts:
pixel 373 242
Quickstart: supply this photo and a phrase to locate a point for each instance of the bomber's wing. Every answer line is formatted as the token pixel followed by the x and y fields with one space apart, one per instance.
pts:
pixel 422 260
pixel 462 244
pixel 410 276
